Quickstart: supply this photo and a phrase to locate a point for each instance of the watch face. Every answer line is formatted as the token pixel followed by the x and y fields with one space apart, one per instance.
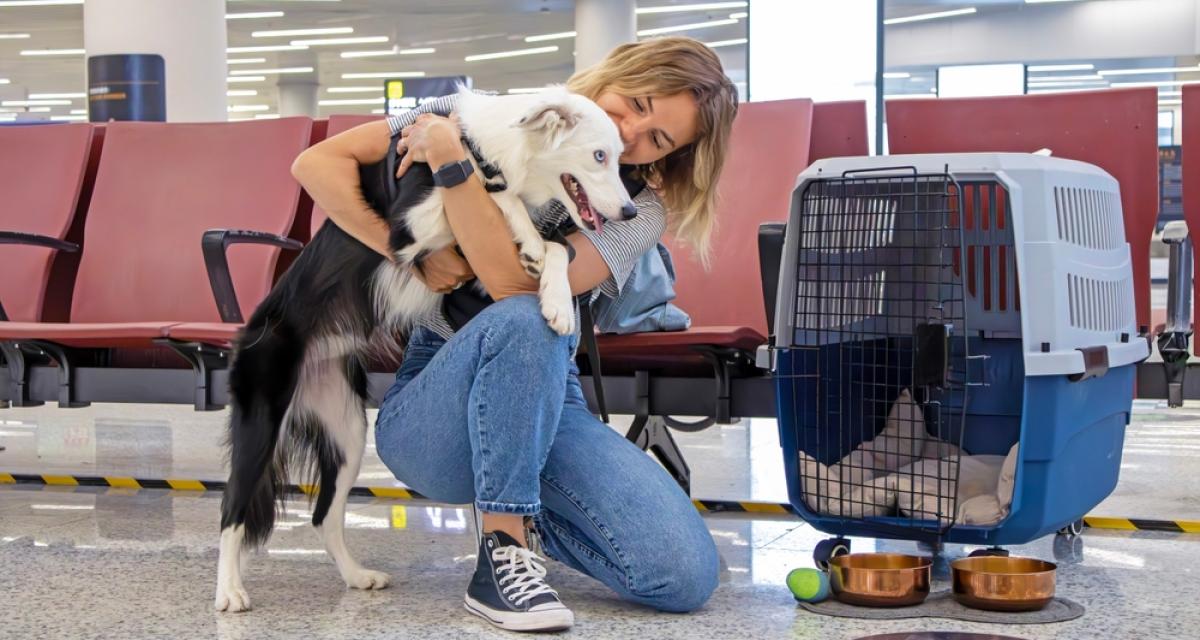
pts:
pixel 452 174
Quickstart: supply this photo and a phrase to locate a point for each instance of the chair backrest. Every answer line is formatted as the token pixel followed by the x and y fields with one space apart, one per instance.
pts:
pixel 304 211
pixel 839 129
pixel 338 124
pixel 158 189
pixel 1191 181
pixel 1115 129
pixel 768 149
pixel 42 176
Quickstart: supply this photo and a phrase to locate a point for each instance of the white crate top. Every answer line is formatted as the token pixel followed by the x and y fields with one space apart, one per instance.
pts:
pixel 1073 264
pixel 960 165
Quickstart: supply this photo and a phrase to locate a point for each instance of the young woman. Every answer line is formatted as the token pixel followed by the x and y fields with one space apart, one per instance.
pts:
pixel 493 413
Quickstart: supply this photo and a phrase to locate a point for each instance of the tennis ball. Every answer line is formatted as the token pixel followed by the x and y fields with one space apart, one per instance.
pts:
pixel 808 585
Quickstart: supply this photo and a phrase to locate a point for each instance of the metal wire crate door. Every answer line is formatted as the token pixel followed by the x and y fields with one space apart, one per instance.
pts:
pixel 881 331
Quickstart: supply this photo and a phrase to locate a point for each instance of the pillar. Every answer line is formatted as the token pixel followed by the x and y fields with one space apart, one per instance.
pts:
pixel 601 25
pixel 298 92
pixel 190 36
pixel 298 95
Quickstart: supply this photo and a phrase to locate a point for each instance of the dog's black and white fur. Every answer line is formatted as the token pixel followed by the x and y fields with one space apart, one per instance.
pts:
pixel 298 384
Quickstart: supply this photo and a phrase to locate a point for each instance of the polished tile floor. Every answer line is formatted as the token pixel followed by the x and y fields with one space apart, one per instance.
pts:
pixel 117 563
pixel 729 462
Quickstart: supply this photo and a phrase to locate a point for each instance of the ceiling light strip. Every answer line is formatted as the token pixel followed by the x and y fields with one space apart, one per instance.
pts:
pixel 937 15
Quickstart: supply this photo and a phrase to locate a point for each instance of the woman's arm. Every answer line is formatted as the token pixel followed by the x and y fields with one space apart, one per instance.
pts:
pixel 479 225
pixel 325 170
pixel 328 171
pixel 481 231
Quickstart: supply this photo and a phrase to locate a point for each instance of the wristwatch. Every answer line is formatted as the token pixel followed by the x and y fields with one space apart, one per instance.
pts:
pixel 453 174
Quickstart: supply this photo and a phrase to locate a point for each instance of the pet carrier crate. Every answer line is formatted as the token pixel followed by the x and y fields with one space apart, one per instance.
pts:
pixel 947 326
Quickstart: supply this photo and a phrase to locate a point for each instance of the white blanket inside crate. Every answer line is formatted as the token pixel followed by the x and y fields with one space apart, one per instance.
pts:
pixel 905 469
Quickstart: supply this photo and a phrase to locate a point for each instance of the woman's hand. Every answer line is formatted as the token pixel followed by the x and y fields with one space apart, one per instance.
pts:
pixel 432 139
pixel 444 270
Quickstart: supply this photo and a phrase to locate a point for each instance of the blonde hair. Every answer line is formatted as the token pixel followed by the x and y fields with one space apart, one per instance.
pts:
pixel 687 177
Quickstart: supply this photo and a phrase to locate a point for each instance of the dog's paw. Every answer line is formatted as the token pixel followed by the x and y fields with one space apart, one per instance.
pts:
pixel 367 579
pixel 560 316
pixel 232 598
pixel 533 259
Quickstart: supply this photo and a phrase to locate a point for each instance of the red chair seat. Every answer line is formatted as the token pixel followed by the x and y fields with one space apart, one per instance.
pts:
pixel 88 334
pixel 679 342
pixel 214 333
pixel 672 353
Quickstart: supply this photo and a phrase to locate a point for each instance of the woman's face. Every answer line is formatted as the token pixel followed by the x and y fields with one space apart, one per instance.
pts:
pixel 651 126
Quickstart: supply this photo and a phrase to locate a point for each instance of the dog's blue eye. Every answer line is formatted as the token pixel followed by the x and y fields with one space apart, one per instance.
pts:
pixel 600 156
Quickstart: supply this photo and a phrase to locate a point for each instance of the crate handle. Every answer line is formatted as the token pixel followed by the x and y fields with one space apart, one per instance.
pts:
pixel 847 174
pixel 1095 363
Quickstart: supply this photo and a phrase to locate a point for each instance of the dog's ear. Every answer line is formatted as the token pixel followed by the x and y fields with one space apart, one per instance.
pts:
pixel 554 121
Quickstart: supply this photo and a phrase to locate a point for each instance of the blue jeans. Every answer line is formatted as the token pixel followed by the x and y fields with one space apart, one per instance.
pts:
pixel 496 416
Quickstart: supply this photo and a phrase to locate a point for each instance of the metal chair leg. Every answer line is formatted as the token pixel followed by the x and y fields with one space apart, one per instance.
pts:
pixel 657 439
pixel 18 376
pixel 66 371
pixel 651 434
pixel 204 360
pixel 1173 341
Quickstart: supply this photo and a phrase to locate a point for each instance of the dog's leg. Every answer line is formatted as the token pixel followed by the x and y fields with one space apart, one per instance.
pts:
pixel 545 261
pixel 554 291
pixel 261 384
pixel 531 248
pixel 333 395
pixel 231 594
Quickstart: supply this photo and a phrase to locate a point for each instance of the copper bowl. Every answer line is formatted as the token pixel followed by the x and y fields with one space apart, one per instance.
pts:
pixel 997 583
pixel 880 579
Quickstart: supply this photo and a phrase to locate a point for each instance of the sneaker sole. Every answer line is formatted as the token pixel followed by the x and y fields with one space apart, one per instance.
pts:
pixel 551 620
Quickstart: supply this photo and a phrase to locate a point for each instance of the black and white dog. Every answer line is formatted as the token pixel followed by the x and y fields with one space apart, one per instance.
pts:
pixel 298 384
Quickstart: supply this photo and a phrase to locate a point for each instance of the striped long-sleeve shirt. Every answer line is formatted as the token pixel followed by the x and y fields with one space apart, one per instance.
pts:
pixel 620 245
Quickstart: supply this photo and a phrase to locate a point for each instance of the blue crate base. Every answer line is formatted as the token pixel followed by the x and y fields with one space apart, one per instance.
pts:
pixel 1071 436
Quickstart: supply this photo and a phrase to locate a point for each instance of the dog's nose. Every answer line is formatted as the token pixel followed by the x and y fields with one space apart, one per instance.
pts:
pixel 628 211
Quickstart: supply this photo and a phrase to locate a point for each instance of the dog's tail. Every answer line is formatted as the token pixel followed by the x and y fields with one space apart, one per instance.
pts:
pixel 262 383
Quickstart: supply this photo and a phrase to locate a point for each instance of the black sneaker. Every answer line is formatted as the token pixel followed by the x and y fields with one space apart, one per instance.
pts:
pixel 510 591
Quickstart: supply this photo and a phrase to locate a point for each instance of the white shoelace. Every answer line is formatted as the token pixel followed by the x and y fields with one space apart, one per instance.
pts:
pixel 521 572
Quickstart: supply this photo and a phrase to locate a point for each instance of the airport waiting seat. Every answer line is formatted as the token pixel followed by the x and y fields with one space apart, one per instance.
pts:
pixel 158 188
pixel 46 177
pixel 221 334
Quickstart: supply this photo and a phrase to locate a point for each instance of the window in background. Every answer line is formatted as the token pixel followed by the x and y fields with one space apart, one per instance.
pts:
pixel 1170 184
pixel 1166 128
pixel 981 80
pixel 819 50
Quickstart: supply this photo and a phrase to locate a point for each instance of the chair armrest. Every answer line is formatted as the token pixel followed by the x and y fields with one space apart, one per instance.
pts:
pixel 215 245
pixel 770 255
pixel 35 240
